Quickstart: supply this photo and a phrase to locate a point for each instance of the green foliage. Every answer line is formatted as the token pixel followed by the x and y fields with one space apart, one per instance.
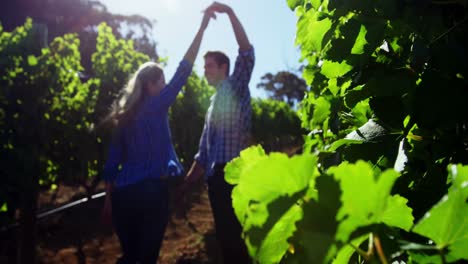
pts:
pixel 275 125
pixel 453 210
pixel 268 214
pixel 386 116
pixel 302 214
pixel 187 117
pixel 48 112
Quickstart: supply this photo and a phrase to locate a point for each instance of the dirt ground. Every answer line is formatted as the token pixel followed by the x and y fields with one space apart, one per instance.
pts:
pixel 78 236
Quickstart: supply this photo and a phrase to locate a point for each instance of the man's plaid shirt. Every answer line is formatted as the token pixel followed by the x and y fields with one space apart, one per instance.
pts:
pixel 228 119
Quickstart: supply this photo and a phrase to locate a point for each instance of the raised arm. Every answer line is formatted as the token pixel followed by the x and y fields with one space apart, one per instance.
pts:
pixel 239 31
pixel 192 52
pixel 169 92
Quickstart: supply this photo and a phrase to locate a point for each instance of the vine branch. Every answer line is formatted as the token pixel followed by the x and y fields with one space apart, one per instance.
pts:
pixel 449 30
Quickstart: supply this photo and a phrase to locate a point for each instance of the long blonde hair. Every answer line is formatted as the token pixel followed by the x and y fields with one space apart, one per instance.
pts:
pixel 126 105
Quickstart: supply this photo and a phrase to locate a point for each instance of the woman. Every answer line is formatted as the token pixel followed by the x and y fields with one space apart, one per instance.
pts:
pixel 141 156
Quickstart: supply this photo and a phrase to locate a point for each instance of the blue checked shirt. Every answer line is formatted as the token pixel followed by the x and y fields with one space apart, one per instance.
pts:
pixel 143 148
pixel 228 119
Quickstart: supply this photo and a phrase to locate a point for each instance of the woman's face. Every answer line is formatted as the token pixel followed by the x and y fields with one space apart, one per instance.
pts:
pixel 154 88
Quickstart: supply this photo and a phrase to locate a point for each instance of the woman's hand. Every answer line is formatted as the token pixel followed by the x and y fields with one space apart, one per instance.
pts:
pixel 192 51
pixel 219 8
pixel 208 14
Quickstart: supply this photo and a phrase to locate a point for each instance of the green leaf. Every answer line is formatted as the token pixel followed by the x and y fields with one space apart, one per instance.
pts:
pixel 315 237
pixel 447 222
pixel 361 112
pixel 247 157
pixel 295 3
pixel 346 252
pixel 360 42
pixel 343 142
pixel 321 110
pixel 311 30
pixel 333 69
pixel 424 259
pixel 266 196
pixel 32 60
pixel 4 208
pixel 367 200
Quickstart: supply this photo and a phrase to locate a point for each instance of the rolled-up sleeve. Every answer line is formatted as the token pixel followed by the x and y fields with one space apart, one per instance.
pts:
pixel 243 68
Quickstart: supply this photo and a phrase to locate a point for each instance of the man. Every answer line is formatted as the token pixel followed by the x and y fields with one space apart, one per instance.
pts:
pixel 225 134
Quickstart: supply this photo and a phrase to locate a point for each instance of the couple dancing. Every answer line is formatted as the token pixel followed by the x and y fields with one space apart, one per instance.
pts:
pixel 141 154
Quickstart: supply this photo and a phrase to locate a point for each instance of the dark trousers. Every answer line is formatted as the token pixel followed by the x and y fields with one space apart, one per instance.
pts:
pixel 228 228
pixel 140 215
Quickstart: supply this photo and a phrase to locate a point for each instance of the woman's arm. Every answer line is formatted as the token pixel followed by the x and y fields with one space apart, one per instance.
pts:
pixel 169 93
pixel 114 157
pixel 192 52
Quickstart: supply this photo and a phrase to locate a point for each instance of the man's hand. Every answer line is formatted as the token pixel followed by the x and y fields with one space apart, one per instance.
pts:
pixel 239 31
pixel 219 8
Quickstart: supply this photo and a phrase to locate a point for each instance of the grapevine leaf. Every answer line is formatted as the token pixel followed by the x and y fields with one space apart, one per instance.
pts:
pixel 424 259
pixel 32 60
pixel 361 113
pixel 4 208
pixel 447 222
pixel 343 142
pixel 295 3
pixel 346 252
pixel 273 242
pixel 366 199
pixel 268 214
pixel 361 41
pixel 315 236
pixel 311 31
pixel 321 111
pixel 396 205
pixel 247 158
pixel 333 69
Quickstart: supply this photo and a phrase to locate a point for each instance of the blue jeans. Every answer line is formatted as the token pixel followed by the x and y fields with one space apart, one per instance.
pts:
pixel 140 215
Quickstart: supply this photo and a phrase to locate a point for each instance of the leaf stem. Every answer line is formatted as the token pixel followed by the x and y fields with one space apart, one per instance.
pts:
pixel 361 252
pixel 379 248
pixel 442 256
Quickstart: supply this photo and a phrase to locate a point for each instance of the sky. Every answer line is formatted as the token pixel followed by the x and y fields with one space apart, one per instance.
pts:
pixel 270 26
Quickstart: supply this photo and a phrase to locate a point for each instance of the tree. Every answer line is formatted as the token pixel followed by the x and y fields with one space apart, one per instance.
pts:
pixel 38 96
pixel 48 113
pixel 284 86
pixel 81 17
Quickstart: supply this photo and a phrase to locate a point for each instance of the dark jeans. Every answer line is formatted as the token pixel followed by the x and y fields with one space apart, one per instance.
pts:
pixel 140 215
pixel 228 228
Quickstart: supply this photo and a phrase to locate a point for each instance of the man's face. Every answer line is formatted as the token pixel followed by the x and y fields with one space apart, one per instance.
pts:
pixel 214 73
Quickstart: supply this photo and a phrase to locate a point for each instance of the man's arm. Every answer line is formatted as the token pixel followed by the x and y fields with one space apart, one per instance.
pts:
pixel 196 171
pixel 239 31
